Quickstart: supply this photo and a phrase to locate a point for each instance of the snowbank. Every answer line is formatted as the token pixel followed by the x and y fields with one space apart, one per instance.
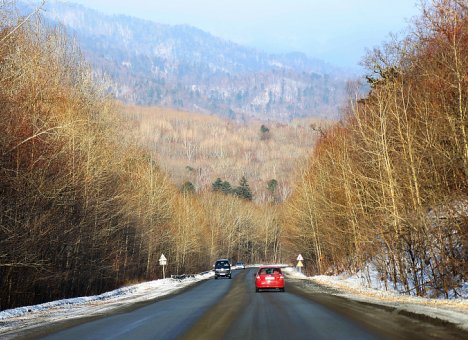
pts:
pixel 354 287
pixel 30 316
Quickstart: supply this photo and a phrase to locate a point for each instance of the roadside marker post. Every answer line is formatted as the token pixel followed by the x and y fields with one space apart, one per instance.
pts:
pixel 163 263
pixel 299 264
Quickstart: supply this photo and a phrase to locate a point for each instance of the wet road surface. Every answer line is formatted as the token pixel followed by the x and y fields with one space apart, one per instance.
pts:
pixel 231 309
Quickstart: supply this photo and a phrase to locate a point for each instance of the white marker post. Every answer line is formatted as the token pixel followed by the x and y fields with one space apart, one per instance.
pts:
pixel 299 264
pixel 163 263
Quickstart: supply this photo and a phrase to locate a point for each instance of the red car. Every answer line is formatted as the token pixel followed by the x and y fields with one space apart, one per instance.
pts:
pixel 269 278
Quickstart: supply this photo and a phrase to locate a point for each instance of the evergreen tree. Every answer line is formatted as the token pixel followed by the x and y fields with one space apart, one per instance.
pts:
pixel 264 132
pixel 271 185
pixel 217 185
pixel 188 187
pixel 243 190
pixel 226 187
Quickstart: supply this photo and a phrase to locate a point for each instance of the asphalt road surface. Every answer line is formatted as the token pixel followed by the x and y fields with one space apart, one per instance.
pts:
pixel 231 309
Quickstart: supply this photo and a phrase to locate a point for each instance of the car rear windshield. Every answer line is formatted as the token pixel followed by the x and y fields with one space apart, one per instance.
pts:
pixel 265 271
pixel 222 264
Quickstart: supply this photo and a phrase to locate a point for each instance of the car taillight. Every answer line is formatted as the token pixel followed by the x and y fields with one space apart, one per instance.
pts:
pixel 281 277
pixel 258 277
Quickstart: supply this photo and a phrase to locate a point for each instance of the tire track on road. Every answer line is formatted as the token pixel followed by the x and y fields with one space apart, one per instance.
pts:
pixel 214 323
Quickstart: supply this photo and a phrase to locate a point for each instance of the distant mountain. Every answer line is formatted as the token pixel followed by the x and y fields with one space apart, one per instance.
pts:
pixel 187 68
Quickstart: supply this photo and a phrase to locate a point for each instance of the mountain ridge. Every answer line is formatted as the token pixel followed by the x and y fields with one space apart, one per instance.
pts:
pixel 187 68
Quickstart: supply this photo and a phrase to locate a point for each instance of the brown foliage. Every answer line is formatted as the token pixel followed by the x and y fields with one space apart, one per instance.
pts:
pixel 83 208
pixel 388 186
pixel 200 148
pixel 80 206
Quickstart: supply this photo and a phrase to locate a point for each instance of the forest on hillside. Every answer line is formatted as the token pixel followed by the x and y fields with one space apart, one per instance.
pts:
pixel 86 206
pixel 183 67
pixel 197 149
pixel 83 207
pixel 388 187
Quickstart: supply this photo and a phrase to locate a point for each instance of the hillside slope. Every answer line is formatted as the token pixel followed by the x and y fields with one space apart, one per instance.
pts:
pixel 200 148
pixel 184 67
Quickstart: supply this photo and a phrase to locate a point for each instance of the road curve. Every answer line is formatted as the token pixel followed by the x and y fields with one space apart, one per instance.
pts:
pixel 231 309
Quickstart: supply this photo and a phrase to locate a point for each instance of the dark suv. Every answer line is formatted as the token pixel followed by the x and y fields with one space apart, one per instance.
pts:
pixel 222 267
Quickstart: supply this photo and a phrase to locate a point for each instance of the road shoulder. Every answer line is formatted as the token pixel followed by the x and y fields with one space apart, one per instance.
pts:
pixel 32 321
pixel 452 315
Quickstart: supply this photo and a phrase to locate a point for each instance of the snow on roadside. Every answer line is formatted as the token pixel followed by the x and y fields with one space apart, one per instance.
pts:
pixel 30 316
pixel 352 287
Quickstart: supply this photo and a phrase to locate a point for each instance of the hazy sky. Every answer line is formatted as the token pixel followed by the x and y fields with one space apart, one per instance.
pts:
pixel 337 31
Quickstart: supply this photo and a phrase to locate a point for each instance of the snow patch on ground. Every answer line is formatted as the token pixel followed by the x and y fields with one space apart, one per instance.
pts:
pixel 30 316
pixel 354 287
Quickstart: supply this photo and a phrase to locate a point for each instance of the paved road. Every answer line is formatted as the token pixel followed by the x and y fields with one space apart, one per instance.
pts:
pixel 230 309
